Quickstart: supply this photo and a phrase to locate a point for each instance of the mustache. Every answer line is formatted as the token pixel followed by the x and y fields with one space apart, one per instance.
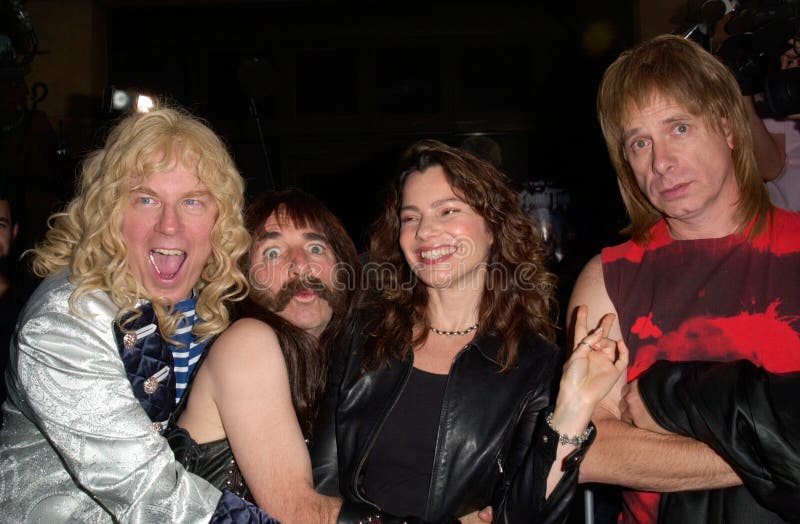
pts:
pixel 297 285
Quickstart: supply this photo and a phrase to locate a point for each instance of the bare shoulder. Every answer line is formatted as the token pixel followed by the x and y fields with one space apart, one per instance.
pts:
pixel 590 290
pixel 246 341
pixel 592 272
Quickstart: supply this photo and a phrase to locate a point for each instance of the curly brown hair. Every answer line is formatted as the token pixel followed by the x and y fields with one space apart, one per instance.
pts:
pixel 518 295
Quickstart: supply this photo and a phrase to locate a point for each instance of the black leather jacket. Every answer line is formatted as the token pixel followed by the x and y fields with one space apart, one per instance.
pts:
pixel 493 447
pixel 747 415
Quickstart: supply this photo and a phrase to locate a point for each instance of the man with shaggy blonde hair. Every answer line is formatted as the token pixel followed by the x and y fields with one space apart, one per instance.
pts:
pixel 139 272
pixel 712 272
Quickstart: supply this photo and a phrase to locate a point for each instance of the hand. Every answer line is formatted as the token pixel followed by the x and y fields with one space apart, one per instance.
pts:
pixel 635 412
pixel 483 516
pixel 596 363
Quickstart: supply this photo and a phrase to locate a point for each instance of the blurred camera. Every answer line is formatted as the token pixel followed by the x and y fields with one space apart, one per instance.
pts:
pixel 761 33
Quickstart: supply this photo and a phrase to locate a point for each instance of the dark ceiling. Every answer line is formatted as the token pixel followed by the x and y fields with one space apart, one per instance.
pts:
pixel 341 88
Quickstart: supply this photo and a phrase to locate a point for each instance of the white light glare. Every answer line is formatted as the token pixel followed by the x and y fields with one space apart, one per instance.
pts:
pixel 119 99
pixel 144 104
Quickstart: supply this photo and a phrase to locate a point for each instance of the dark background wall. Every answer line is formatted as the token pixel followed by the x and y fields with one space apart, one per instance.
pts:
pixel 341 88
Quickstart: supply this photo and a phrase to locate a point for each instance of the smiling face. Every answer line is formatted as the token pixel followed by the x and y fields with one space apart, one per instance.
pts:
pixel 167 229
pixel 292 273
pixel 443 239
pixel 684 167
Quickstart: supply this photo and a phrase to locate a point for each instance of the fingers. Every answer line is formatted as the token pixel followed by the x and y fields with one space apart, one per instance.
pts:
pixel 606 322
pixel 626 414
pixel 623 354
pixel 587 344
pixel 581 320
pixel 486 514
pixel 607 347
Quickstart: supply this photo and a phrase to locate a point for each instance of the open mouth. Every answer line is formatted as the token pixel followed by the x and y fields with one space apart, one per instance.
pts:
pixel 437 253
pixel 305 295
pixel 167 262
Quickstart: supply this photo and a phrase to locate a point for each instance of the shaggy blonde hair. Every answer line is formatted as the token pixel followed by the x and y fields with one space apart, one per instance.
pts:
pixel 682 71
pixel 87 236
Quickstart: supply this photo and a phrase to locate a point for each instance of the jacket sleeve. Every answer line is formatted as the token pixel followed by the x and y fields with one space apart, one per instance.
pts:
pixel 746 414
pixel 71 384
pixel 234 510
pixel 521 497
pixel 323 450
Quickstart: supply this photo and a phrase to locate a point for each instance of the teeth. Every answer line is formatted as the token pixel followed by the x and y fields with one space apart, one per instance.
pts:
pixel 437 253
pixel 164 263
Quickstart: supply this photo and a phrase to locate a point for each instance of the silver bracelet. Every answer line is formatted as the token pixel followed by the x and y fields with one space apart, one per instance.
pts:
pixel 564 440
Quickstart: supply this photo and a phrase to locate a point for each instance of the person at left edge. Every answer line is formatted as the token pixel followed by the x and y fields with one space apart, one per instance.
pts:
pixel 140 270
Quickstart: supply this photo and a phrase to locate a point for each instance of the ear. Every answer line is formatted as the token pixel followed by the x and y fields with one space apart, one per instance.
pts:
pixel 14 232
pixel 727 132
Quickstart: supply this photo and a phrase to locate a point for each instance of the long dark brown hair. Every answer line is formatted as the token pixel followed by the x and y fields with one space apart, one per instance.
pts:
pixel 519 291
pixel 306 357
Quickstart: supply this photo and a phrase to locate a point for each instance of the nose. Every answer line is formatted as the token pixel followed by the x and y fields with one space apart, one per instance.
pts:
pixel 298 262
pixel 663 158
pixel 169 222
pixel 426 227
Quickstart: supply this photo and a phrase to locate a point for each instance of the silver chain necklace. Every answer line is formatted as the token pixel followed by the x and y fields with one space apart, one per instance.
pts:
pixel 457 332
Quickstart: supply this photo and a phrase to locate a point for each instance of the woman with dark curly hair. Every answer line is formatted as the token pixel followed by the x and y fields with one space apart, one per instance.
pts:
pixel 446 400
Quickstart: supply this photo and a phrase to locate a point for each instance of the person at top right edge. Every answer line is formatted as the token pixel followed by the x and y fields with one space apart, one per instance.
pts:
pixel 711 273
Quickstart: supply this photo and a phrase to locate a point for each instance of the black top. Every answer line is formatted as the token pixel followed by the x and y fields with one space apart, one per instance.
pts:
pixel 493 447
pixel 397 475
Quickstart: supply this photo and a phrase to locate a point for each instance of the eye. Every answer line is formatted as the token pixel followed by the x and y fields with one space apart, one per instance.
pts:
pixel 407 218
pixel 638 144
pixel 317 249
pixel 682 129
pixel 450 211
pixel 146 200
pixel 271 253
pixel 192 202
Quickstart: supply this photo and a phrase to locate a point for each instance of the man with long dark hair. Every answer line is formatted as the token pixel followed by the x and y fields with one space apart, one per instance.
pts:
pixel 256 397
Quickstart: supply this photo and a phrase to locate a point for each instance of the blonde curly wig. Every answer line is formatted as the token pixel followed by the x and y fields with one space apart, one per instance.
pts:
pixel 86 237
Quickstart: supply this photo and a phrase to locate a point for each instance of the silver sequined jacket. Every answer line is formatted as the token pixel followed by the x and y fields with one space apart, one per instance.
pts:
pixel 76 445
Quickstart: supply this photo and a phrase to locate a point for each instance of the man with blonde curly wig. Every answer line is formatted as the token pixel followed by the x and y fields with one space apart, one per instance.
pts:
pixel 711 272
pixel 139 272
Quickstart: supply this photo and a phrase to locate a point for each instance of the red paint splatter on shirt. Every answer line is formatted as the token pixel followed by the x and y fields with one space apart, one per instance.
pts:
pixel 644 327
pixel 757 337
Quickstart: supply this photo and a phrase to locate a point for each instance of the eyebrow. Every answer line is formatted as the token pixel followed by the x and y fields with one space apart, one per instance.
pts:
pixel 191 194
pixel 273 235
pixel 436 203
pixel 669 120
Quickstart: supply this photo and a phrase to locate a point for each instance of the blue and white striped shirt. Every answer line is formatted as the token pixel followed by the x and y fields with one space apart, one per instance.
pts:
pixel 185 357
